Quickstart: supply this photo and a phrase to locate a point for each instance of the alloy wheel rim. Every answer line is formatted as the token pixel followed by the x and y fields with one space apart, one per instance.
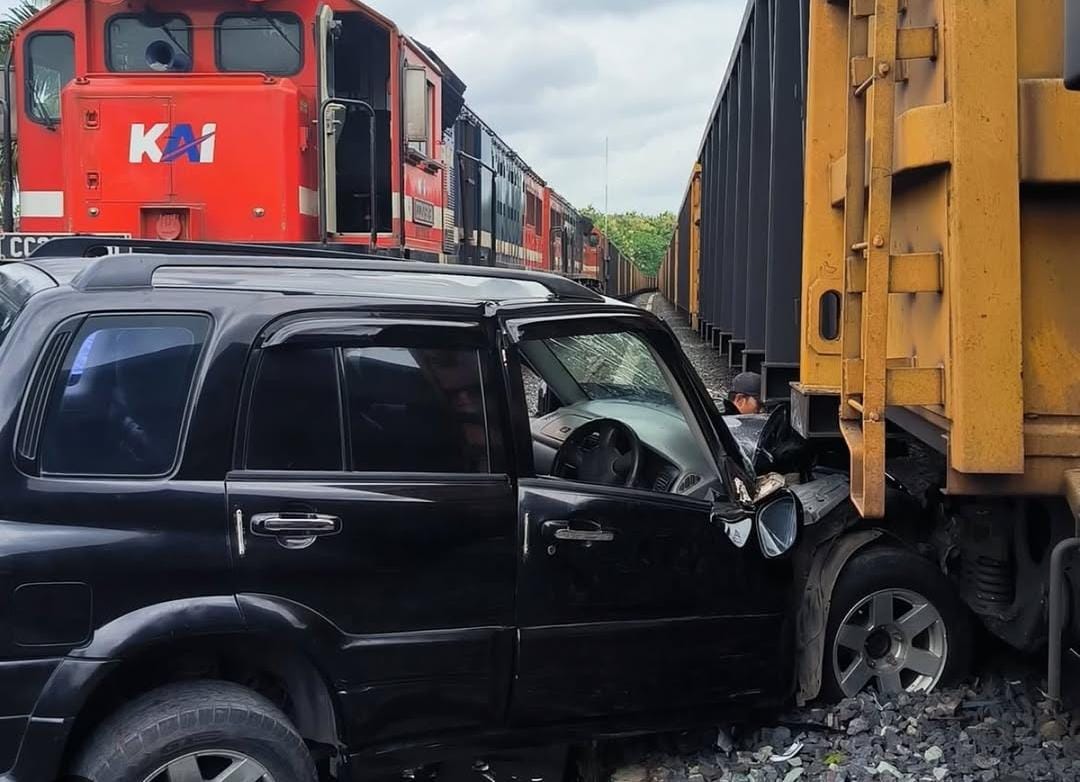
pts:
pixel 894 639
pixel 212 765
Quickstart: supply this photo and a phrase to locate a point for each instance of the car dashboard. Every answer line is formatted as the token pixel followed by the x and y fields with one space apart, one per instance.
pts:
pixel 672 460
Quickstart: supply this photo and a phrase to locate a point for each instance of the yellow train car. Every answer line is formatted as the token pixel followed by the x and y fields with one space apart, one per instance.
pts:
pixel 931 149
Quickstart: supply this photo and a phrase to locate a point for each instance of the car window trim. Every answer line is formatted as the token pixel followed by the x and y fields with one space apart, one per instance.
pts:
pixel 535 327
pixel 330 339
pixel 45 382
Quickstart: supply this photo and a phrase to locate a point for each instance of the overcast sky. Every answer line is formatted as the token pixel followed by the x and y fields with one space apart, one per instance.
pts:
pixel 554 77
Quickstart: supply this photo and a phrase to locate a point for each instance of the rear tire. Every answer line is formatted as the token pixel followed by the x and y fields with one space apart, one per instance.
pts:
pixel 196 731
pixel 895 624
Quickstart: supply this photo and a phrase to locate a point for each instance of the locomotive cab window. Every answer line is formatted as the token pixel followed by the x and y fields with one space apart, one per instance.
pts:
pixel 148 42
pixel 259 43
pixel 50 65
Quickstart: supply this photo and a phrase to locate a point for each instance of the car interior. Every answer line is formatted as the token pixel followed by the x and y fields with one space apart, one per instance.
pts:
pixel 605 410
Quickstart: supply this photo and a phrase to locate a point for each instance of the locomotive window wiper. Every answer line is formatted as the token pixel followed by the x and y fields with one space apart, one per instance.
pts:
pixel 37 105
pixel 278 29
pixel 176 41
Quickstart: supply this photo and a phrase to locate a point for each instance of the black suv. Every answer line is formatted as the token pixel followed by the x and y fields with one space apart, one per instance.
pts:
pixel 269 518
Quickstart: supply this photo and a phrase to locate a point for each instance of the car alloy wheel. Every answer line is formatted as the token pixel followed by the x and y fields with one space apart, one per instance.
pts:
pixel 211 766
pixel 894 639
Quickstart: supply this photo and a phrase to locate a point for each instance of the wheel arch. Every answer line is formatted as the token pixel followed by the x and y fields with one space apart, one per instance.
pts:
pixel 269 651
pixel 813 611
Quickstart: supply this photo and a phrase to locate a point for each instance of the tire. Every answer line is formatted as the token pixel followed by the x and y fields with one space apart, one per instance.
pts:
pixel 927 643
pixel 202 728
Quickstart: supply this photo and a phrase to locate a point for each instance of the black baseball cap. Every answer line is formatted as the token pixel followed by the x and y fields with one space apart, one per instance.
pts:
pixel 748 383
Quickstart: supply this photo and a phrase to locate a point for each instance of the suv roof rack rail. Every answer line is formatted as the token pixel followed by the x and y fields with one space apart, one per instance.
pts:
pixel 98 246
pixel 136 270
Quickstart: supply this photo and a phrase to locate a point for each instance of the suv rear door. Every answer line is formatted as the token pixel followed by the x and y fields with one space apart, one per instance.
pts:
pixel 370 496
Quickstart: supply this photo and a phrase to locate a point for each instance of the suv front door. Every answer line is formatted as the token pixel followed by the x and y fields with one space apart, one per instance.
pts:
pixel 373 511
pixel 633 602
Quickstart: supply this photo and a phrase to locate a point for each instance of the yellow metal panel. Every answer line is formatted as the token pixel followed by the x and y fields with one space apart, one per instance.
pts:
pixel 924 137
pixel 1040 38
pixel 914 43
pixel 985 393
pixel 1049 152
pixel 914 386
pixel 695 244
pixel 915 273
pixel 1050 221
pixel 823 233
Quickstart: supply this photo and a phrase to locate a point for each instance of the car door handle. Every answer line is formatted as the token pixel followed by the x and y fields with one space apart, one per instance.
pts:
pixel 295 525
pixel 561 530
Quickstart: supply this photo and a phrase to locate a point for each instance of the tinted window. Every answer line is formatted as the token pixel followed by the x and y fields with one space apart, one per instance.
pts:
pixel 259 43
pixel 416 410
pixel 118 404
pixel 149 42
pixel 295 421
pixel 50 65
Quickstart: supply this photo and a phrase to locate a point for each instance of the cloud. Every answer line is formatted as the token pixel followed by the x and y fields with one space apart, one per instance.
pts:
pixel 556 77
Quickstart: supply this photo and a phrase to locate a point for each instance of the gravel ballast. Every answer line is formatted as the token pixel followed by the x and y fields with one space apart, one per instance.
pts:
pixel 997 726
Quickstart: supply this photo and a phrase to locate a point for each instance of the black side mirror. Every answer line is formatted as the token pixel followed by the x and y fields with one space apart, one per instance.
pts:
pixel 1072 45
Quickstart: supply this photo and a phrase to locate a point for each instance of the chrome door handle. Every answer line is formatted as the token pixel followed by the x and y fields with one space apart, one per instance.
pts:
pixel 561 530
pixel 300 525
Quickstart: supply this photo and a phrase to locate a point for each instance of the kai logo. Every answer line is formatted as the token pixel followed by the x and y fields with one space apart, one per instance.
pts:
pixel 181 143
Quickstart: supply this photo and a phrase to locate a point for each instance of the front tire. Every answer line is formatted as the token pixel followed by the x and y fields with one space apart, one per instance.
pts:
pixel 895 624
pixel 196 732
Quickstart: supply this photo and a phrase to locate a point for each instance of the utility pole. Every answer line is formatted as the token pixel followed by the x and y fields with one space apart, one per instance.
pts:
pixel 607 161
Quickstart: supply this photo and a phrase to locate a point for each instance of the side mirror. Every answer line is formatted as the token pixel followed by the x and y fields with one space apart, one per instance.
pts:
pixel 1072 45
pixel 778 525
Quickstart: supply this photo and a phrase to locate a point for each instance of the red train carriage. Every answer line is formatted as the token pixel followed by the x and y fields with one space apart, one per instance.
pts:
pixel 230 121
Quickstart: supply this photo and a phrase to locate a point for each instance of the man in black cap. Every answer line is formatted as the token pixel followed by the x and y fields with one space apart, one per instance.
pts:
pixel 744 398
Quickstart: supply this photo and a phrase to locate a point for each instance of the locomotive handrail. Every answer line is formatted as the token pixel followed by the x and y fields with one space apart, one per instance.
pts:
pixel 366 107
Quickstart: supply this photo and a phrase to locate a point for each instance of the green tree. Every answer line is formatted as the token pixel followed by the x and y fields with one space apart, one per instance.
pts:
pixel 641 237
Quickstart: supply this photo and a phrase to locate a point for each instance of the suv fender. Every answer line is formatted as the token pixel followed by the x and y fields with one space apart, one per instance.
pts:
pixel 176 619
pixel 813 613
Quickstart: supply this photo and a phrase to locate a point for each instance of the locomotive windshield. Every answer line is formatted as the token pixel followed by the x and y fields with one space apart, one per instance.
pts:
pixel 260 43
pixel 148 42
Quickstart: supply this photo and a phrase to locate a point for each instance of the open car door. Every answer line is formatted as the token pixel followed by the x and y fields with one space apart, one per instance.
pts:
pixel 331 121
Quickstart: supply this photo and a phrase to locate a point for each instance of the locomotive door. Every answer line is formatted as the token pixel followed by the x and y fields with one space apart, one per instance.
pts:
pixel 331 121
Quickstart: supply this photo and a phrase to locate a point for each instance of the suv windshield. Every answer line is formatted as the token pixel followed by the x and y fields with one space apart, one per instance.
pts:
pixel 612 366
pixel 18 282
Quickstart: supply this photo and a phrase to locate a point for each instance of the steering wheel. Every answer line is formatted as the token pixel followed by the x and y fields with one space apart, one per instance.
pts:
pixel 604 451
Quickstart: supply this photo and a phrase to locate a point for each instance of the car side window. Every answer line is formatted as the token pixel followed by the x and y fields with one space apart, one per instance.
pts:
pixel 117 405
pixel 369 409
pixel 416 410
pixel 295 417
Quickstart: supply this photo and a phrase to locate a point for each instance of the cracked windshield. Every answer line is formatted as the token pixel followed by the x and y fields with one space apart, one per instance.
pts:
pixel 612 366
